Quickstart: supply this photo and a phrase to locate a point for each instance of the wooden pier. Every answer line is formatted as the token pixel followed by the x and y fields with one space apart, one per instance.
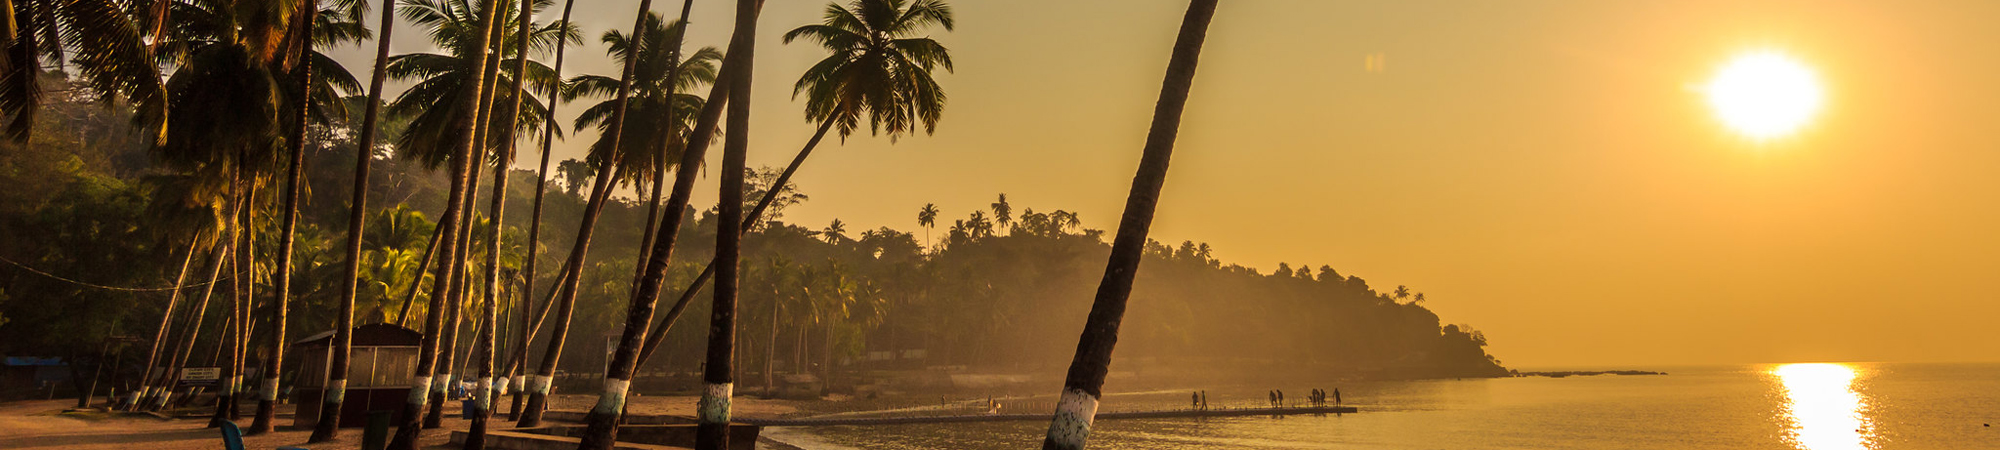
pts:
pixel 1155 414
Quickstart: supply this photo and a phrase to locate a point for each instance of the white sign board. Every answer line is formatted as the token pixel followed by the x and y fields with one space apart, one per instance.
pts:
pixel 201 374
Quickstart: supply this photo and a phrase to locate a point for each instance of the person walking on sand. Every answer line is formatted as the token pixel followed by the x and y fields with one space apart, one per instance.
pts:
pixel 1273 402
pixel 1204 400
pixel 1336 396
pixel 1194 400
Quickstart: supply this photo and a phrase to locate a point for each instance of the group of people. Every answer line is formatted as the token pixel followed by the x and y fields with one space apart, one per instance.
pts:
pixel 1318 397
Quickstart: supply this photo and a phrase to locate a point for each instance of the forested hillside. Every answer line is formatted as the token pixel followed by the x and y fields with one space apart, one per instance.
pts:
pixel 95 236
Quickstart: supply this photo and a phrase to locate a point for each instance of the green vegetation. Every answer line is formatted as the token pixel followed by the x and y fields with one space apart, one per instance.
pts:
pixel 986 296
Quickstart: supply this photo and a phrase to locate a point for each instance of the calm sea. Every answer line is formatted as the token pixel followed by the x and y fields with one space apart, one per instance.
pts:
pixel 1778 406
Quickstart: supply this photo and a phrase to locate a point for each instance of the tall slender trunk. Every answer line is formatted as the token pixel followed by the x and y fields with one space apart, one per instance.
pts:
pixel 770 196
pixel 462 286
pixel 165 389
pixel 1082 388
pixel 520 358
pixel 483 391
pixel 328 427
pixel 601 424
pixel 462 170
pixel 240 289
pixel 500 169
pixel 771 351
pixel 651 225
pixel 712 430
pixel 166 320
pixel 267 402
pixel 564 295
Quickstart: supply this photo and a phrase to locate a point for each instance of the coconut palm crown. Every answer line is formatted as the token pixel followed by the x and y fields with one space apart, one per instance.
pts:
pixel 880 67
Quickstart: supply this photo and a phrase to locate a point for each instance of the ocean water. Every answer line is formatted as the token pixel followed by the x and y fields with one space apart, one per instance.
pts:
pixel 1843 406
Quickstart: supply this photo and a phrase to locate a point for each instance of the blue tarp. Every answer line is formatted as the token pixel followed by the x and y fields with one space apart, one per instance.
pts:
pixel 34 361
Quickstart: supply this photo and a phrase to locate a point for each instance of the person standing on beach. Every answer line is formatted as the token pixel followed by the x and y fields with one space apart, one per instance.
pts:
pixel 1336 396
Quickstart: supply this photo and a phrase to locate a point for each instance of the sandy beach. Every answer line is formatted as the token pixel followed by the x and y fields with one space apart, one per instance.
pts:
pixel 43 424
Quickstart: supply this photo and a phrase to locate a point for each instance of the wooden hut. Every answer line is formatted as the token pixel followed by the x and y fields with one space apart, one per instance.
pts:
pixel 384 359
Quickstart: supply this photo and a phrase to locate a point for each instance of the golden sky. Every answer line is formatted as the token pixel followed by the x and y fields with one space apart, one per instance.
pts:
pixel 1546 171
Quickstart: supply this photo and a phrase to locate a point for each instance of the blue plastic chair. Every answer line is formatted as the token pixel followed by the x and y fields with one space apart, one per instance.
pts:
pixel 232 437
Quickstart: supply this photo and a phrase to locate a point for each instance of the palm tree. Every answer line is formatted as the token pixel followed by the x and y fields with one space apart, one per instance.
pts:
pixel 1402 292
pixel 447 94
pixel 879 68
pixel 927 218
pixel 601 424
pixel 462 170
pixel 653 141
pixel 1419 298
pixel 834 232
pixel 230 60
pixel 535 230
pixel 439 98
pixel 1070 428
pixel 483 406
pixel 328 427
pixel 718 373
pixel 1003 213
pixel 267 404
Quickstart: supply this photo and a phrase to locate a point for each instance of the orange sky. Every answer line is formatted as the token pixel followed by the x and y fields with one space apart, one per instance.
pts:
pixel 1542 170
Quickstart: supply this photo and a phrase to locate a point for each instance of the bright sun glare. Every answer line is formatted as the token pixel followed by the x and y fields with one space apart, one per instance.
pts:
pixel 1764 94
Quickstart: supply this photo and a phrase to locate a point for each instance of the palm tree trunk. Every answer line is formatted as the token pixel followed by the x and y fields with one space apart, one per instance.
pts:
pixel 712 430
pixel 462 286
pixel 267 403
pixel 218 258
pixel 771 350
pixel 240 290
pixel 601 424
pixel 430 257
pixel 770 196
pixel 535 228
pixel 483 391
pixel 565 293
pixel 166 319
pixel 328 427
pixel 506 162
pixel 462 172
pixel 192 329
pixel 1084 385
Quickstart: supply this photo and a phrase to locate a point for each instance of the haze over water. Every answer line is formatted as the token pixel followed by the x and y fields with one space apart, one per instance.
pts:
pixel 1767 406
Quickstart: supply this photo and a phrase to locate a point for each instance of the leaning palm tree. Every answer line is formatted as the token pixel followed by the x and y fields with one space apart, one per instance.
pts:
pixel 654 139
pixel 504 155
pixel 601 424
pixel 302 73
pixel 718 372
pixel 444 80
pixel 462 174
pixel 232 67
pixel 880 69
pixel 563 297
pixel 514 367
pixel 1070 428
pixel 447 94
pixel 328 427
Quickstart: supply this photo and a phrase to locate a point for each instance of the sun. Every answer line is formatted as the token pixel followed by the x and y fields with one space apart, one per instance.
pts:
pixel 1764 94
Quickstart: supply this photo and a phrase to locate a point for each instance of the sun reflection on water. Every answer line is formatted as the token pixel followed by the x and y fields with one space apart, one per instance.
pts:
pixel 1824 409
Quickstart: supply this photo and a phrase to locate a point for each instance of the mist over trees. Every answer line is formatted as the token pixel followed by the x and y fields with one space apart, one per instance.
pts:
pixel 995 282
